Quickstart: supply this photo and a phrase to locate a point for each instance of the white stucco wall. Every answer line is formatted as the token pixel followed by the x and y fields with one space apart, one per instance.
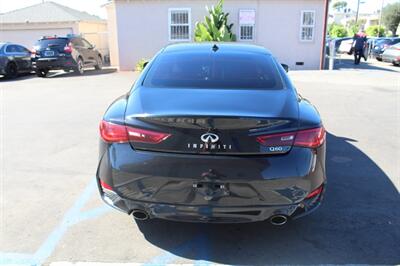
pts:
pixel 142 27
pixel 112 34
pixel 28 33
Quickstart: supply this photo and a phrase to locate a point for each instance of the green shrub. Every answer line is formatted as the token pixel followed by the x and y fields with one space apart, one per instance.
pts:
pixel 337 31
pixel 375 31
pixel 141 64
pixel 215 27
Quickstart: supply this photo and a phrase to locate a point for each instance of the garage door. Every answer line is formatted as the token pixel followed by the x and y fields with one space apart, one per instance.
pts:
pixel 28 37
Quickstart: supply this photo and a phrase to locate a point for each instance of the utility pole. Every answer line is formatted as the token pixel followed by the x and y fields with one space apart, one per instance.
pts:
pixel 380 17
pixel 358 9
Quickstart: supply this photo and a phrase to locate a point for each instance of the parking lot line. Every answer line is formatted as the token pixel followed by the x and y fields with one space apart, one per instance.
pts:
pixel 72 217
pixel 65 263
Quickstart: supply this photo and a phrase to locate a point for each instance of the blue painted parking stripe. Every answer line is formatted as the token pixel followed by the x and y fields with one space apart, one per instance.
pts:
pixel 91 214
pixel 15 259
pixel 50 243
pixel 73 216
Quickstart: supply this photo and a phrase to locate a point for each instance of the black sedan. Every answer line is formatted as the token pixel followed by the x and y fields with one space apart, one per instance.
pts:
pixel 212 133
pixel 14 59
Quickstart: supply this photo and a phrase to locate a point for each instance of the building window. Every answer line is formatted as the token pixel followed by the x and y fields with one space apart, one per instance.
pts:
pixel 307 25
pixel 179 24
pixel 247 21
pixel 246 32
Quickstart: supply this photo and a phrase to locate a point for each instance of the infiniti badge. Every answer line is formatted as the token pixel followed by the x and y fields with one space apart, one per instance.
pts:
pixel 209 138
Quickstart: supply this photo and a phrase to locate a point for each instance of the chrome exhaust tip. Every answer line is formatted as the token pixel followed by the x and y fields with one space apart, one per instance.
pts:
pixel 278 220
pixel 140 215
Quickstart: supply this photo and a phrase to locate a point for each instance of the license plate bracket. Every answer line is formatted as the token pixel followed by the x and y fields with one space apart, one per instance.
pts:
pixel 48 53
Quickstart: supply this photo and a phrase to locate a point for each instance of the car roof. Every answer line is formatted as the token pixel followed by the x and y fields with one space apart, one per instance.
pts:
pixel 10 43
pixel 53 38
pixel 220 47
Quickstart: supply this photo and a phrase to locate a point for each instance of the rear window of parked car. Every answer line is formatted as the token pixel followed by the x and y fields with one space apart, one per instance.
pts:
pixel 44 43
pixel 205 70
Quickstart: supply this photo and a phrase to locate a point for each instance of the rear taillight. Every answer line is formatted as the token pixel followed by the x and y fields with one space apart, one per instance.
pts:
pixel 146 136
pixel 284 139
pixel 111 132
pixel 310 138
pixel 315 192
pixel 68 48
pixel 33 52
pixel 104 185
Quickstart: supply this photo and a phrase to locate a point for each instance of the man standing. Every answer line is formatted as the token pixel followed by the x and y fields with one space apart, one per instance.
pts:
pixel 359 44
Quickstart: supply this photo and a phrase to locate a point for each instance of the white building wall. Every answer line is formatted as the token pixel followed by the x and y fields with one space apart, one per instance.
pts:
pixel 27 34
pixel 142 27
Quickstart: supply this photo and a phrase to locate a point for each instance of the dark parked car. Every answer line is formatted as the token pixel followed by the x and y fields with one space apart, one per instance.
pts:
pixel 392 54
pixel 67 53
pixel 381 45
pixel 14 59
pixel 213 134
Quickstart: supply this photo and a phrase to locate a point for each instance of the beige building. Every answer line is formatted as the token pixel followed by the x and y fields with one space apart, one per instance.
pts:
pixel 293 30
pixel 25 26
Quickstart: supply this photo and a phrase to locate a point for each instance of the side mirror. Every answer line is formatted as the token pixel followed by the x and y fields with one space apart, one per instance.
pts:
pixel 286 67
pixel 92 46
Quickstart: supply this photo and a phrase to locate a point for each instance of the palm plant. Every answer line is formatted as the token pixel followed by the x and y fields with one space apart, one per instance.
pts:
pixel 215 27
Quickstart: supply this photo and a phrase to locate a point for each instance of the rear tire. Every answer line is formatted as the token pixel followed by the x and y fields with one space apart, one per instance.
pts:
pixel 79 67
pixel 99 64
pixel 42 73
pixel 11 70
pixel 379 59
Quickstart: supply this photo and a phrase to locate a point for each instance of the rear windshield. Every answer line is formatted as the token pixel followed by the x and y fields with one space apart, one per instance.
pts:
pixel 51 42
pixel 241 71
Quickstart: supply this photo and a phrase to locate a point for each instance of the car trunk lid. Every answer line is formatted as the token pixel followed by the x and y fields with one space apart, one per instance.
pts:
pixel 212 121
pixel 51 47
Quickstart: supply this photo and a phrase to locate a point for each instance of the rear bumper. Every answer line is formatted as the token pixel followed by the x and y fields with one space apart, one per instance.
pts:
pixel 391 59
pixel 212 214
pixel 218 189
pixel 55 63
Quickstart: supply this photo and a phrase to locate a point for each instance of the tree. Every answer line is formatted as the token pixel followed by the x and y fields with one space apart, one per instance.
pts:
pixel 353 27
pixel 340 5
pixel 391 17
pixel 215 27
pixel 337 31
pixel 375 31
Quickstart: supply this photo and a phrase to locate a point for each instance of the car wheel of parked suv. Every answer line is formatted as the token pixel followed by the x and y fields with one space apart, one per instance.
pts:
pixel 79 67
pixel 99 64
pixel 42 72
pixel 11 70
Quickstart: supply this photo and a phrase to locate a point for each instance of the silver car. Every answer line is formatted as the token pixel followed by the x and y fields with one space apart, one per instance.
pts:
pixel 392 54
